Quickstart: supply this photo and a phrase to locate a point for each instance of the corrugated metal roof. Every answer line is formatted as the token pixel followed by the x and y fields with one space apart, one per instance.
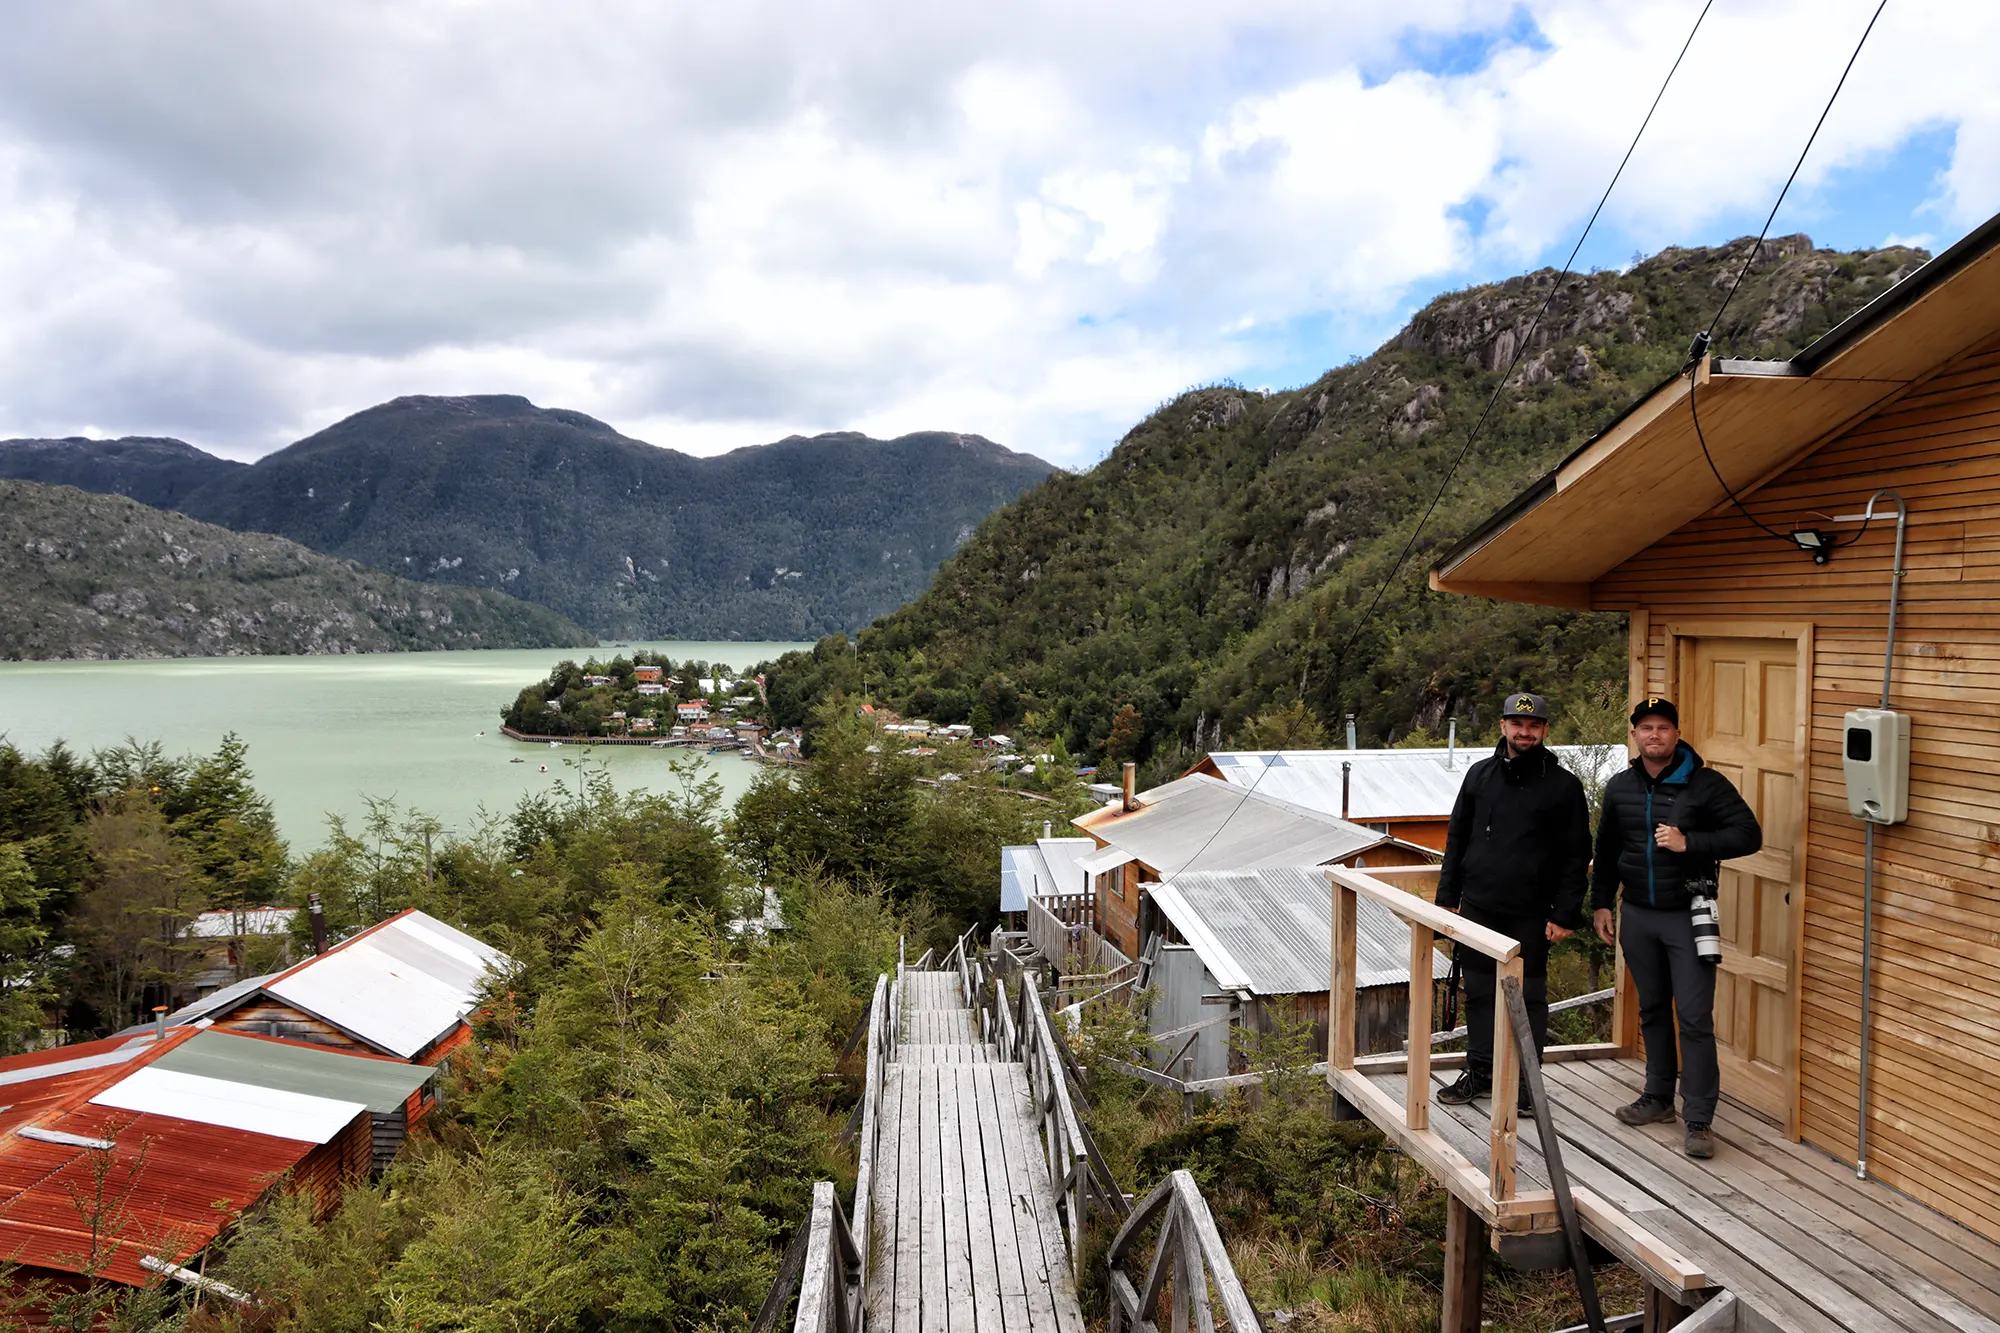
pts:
pixel 176 1184
pixel 379 1084
pixel 1383 784
pixel 1203 823
pixel 213 1002
pixel 213 1101
pixel 399 986
pixel 1038 869
pixel 228 923
pixel 1103 859
pixel 1270 932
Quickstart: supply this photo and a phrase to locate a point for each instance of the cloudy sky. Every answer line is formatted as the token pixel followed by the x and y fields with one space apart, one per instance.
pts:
pixel 235 221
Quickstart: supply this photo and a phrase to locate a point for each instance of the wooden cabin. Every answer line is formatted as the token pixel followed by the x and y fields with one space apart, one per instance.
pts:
pixel 1202 823
pixel 1767 617
pixel 402 988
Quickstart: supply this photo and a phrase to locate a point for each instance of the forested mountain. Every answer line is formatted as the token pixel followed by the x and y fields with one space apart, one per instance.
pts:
pixel 777 541
pixel 1218 565
pixel 102 576
pixel 158 472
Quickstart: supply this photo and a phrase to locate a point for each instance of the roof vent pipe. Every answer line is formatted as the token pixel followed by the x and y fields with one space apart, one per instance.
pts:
pixel 1350 733
pixel 1451 745
pixel 159 1022
pixel 1346 785
pixel 1048 829
pixel 1131 775
pixel 318 915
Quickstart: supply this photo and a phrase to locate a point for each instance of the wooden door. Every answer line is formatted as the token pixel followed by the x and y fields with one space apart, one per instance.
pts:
pixel 1743 715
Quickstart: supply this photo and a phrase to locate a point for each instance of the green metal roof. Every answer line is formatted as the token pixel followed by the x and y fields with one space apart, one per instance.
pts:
pixel 380 1085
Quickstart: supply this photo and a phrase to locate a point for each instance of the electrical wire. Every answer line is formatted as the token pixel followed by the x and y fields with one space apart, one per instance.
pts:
pixel 1526 339
pixel 1487 412
pixel 1750 258
pixel 1705 339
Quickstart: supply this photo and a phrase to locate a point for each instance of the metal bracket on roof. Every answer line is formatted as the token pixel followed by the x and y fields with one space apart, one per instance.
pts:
pixel 41 1135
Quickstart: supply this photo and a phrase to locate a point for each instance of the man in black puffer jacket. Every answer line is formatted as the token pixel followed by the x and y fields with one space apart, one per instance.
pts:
pixel 1667 820
pixel 1514 859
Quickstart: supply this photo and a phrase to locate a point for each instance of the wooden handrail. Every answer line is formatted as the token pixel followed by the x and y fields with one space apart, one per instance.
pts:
pixel 1055 1116
pixel 1188 1248
pixel 871 1103
pixel 1495 1198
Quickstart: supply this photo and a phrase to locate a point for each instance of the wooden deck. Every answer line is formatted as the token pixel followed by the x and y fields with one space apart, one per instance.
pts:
pixel 1801 1243
pixel 967 1236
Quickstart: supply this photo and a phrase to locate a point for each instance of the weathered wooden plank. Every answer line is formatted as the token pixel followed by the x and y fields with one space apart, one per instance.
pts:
pixel 980 1249
pixel 909 1203
pixel 1809 1265
pixel 999 1201
pixel 1035 1194
pixel 958 1256
pixel 935 1261
pixel 883 1250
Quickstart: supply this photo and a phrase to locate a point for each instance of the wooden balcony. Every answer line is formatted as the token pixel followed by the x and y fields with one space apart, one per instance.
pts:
pixel 1789 1233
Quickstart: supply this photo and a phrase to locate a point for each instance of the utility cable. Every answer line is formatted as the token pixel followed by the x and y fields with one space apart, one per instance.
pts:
pixel 1705 339
pixel 1480 425
pixel 1526 340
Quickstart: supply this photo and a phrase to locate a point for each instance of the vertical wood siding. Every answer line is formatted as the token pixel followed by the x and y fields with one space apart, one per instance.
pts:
pixel 1936 1053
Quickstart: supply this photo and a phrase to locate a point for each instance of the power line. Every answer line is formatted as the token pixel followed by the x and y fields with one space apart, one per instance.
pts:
pixel 1705 339
pixel 1526 339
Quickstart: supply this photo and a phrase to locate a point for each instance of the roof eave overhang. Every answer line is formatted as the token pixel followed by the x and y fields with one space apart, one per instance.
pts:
pixel 1551 542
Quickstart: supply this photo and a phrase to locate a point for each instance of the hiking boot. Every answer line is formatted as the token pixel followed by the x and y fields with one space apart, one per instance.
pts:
pixel 1467 1089
pixel 1699 1142
pixel 1646 1111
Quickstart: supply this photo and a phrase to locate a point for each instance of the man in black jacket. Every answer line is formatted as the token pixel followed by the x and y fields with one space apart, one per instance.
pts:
pixel 1667 820
pixel 1514 859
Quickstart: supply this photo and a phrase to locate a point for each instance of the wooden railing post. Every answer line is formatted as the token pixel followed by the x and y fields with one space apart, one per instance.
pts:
pixel 1506 1084
pixel 1417 1087
pixel 1340 1035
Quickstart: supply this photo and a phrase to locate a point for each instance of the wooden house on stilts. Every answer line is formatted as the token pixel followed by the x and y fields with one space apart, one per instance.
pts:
pixel 1857 1179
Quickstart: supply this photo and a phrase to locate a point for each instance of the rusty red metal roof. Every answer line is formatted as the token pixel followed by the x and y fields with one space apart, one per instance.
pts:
pixel 164 1187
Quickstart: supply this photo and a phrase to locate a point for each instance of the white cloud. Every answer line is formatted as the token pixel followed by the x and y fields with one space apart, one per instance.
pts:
pixel 715 225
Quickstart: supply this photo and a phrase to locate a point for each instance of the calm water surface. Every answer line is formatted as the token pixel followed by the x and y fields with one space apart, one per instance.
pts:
pixel 325 731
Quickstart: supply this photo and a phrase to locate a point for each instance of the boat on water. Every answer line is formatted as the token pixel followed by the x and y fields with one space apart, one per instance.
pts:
pixel 517 760
pixel 555 745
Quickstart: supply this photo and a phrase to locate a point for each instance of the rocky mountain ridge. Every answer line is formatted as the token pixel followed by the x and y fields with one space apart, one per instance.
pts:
pixel 100 576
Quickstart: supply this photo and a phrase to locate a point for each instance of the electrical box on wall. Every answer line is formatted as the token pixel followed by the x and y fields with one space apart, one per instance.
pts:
pixel 1875 755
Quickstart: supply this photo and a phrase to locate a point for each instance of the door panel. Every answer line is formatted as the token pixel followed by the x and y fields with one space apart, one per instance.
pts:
pixel 1742 715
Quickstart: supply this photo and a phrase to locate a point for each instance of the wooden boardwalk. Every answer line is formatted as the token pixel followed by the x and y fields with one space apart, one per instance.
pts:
pixel 966 1233
pixel 1799 1241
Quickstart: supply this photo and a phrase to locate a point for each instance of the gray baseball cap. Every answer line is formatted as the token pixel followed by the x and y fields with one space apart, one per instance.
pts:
pixel 1526 705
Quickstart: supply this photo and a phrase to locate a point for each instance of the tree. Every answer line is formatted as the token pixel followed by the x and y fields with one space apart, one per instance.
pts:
pixel 231 834
pixel 1128 732
pixel 1291 726
pixel 131 925
pixel 26 989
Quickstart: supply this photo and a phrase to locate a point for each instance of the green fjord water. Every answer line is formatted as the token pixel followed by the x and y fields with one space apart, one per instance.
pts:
pixel 325 732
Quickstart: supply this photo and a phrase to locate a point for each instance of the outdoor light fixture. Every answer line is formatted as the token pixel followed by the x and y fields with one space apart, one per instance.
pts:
pixel 1814 542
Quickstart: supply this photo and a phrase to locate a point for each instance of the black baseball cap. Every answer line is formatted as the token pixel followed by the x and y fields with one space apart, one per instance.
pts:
pixel 1654 706
pixel 1526 705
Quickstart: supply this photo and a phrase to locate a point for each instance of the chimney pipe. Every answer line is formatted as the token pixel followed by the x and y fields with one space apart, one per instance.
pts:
pixel 1451 745
pixel 1346 785
pixel 1048 829
pixel 159 1022
pixel 1350 733
pixel 1131 775
pixel 318 916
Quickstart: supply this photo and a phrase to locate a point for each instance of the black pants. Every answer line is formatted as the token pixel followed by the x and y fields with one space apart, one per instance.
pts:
pixel 1673 982
pixel 1480 974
